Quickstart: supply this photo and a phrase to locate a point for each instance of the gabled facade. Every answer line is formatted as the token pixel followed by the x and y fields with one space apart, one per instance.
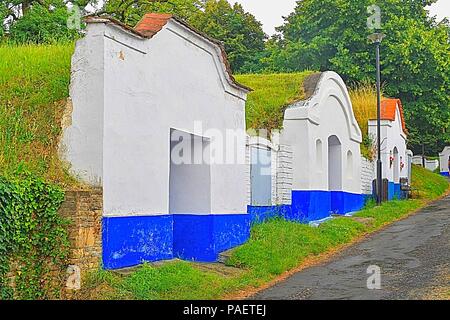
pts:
pixel 133 91
pixel 393 144
pixel 325 138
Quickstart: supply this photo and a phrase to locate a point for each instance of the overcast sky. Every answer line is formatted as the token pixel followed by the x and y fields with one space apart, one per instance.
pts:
pixel 270 12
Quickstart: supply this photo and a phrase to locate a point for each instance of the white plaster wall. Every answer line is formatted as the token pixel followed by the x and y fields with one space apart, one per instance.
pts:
pixel 329 112
pixel 150 86
pixel 409 155
pixel 81 141
pixel 392 136
pixel 417 160
pixel 296 134
pixel 368 174
pixel 443 159
pixel 432 164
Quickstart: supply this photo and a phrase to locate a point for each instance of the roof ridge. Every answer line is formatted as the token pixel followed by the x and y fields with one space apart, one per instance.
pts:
pixel 152 23
pixel 388 111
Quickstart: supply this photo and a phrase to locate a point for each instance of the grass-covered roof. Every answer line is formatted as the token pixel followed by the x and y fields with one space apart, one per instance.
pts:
pixel 272 94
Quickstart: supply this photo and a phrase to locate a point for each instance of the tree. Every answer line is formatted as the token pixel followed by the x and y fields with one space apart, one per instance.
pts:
pixel 41 25
pixel 131 11
pixel 38 21
pixel 332 35
pixel 241 33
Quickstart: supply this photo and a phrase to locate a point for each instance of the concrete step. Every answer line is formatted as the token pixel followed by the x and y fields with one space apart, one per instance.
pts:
pixel 224 256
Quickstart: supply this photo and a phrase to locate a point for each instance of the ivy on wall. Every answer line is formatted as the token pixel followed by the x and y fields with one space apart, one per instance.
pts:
pixel 33 238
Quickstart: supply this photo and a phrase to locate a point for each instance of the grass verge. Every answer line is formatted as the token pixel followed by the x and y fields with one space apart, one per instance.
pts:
pixel 275 247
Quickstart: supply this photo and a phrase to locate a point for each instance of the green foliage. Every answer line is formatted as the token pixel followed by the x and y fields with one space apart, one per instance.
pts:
pixel 150 283
pixel 32 235
pixel 34 84
pixel 367 148
pixel 241 33
pixel 428 185
pixel 272 94
pixel 131 11
pixel 279 245
pixel 332 35
pixel 39 24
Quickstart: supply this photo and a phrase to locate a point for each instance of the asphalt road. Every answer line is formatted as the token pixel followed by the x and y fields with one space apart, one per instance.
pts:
pixel 413 255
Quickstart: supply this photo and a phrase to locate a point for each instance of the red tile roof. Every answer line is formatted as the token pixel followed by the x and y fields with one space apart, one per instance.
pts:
pixel 152 23
pixel 388 111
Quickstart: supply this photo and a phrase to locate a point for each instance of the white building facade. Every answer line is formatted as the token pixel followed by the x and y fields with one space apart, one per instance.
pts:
pixel 394 155
pixel 138 95
pixel 325 138
pixel 444 161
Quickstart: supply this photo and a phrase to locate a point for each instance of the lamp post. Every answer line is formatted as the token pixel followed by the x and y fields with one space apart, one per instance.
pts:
pixel 376 39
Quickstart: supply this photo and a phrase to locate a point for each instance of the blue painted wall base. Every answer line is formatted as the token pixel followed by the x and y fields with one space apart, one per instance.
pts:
pixel 394 191
pixel 262 214
pixel 130 241
pixel 445 174
pixel 202 238
pixel 310 206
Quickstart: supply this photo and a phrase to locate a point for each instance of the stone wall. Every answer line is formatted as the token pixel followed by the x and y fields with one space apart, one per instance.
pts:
pixel 84 210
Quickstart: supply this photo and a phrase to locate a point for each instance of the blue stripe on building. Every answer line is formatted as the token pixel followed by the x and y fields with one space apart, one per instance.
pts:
pixel 262 214
pixel 394 191
pixel 310 206
pixel 202 238
pixel 345 202
pixel 445 174
pixel 130 241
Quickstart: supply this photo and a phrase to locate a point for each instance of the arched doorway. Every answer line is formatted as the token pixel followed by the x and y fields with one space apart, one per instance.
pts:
pixel 334 164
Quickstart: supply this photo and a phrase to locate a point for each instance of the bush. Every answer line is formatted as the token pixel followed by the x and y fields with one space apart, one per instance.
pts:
pixel 41 25
pixel 33 236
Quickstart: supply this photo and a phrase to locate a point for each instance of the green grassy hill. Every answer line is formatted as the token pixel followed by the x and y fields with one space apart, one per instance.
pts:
pixel 272 94
pixel 34 82
pixel 34 85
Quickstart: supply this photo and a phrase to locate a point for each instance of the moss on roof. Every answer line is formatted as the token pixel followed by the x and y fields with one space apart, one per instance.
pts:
pixel 272 94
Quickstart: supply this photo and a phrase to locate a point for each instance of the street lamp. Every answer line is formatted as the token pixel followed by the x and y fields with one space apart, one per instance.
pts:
pixel 376 39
